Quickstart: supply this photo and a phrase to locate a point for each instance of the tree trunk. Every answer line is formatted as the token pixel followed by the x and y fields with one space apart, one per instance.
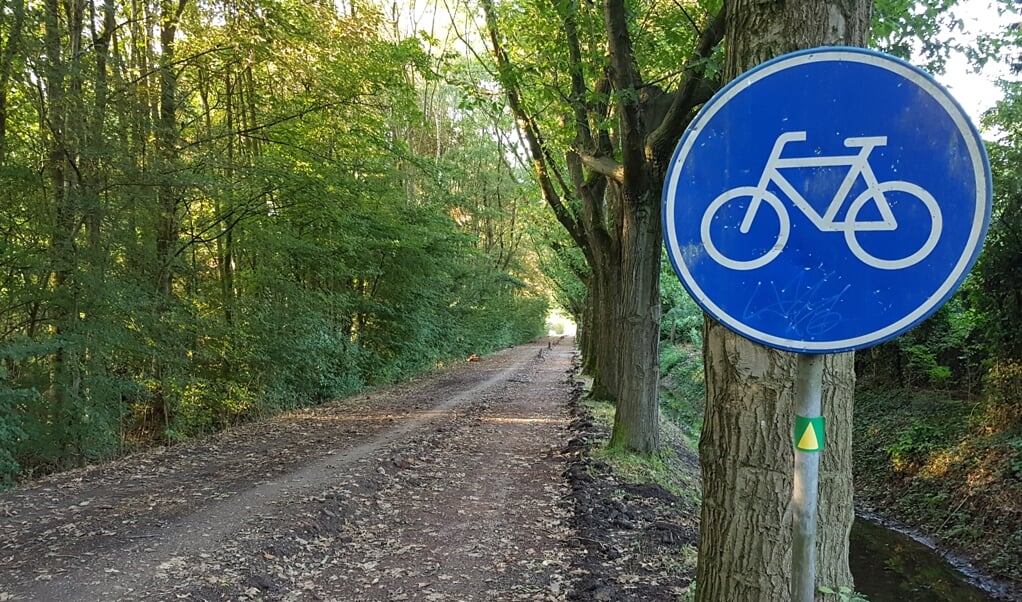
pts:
pixel 167 135
pixel 95 152
pixel 615 176
pixel 602 332
pixel 637 421
pixel 54 117
pixel 11 50
pixel 746 448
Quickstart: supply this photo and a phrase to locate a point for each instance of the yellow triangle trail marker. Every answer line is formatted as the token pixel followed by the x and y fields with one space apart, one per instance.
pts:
pixel 808 441
pixel 809 433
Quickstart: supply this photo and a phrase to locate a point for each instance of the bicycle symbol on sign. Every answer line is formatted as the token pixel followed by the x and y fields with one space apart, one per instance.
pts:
pixel 858 165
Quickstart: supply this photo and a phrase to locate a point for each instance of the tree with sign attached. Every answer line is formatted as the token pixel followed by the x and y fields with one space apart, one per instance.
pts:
pixel 825 201
pixel 746 443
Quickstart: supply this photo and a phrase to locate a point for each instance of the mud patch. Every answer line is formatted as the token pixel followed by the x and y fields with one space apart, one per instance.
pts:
pixel 636 541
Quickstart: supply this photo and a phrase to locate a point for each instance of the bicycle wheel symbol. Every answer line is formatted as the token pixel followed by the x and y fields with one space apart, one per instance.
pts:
pixel 904 193
pixel 720 206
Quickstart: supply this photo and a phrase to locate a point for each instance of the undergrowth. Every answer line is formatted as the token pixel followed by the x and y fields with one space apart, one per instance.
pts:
pixel 683 389
pixel 675 467
pixel 948 467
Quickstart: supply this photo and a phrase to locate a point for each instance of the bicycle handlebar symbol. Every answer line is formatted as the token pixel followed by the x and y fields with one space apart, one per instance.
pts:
pixel 858 165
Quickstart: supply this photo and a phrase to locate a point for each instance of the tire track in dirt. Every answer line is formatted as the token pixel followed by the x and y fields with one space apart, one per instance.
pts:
pixel 210 552
pixel 493 523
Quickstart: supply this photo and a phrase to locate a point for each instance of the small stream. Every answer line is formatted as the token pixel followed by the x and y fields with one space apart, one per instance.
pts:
pixel 890 566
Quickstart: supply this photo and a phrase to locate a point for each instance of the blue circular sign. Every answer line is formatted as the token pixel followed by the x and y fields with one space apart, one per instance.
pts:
pixel 827 200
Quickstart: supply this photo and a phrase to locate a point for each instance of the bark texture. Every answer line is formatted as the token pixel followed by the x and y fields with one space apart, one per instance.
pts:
pixel 746 448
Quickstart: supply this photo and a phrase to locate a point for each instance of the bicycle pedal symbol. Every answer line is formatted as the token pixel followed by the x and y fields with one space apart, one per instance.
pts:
pixel 858 166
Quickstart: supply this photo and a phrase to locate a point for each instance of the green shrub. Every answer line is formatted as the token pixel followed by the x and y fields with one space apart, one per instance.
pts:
pixel 1015 462
pixel 683 391
pixel 11 433
pixel 681 368
pixel 923 437
pixel 1003 389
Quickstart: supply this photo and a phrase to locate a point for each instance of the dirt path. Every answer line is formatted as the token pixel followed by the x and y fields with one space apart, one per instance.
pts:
pixel 444 488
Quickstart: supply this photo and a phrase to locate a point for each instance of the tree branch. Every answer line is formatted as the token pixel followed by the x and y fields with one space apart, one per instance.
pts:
pixel 695 90
pixel 604 166
pixel 583 134
pixel 542 162
pixel 626 80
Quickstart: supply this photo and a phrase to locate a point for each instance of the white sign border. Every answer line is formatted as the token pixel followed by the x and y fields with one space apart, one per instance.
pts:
pixel 829 54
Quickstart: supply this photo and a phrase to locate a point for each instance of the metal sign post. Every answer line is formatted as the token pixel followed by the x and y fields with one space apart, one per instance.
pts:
pixel 805 491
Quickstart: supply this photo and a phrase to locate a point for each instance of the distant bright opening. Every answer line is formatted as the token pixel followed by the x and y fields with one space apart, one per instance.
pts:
pixel 559 324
